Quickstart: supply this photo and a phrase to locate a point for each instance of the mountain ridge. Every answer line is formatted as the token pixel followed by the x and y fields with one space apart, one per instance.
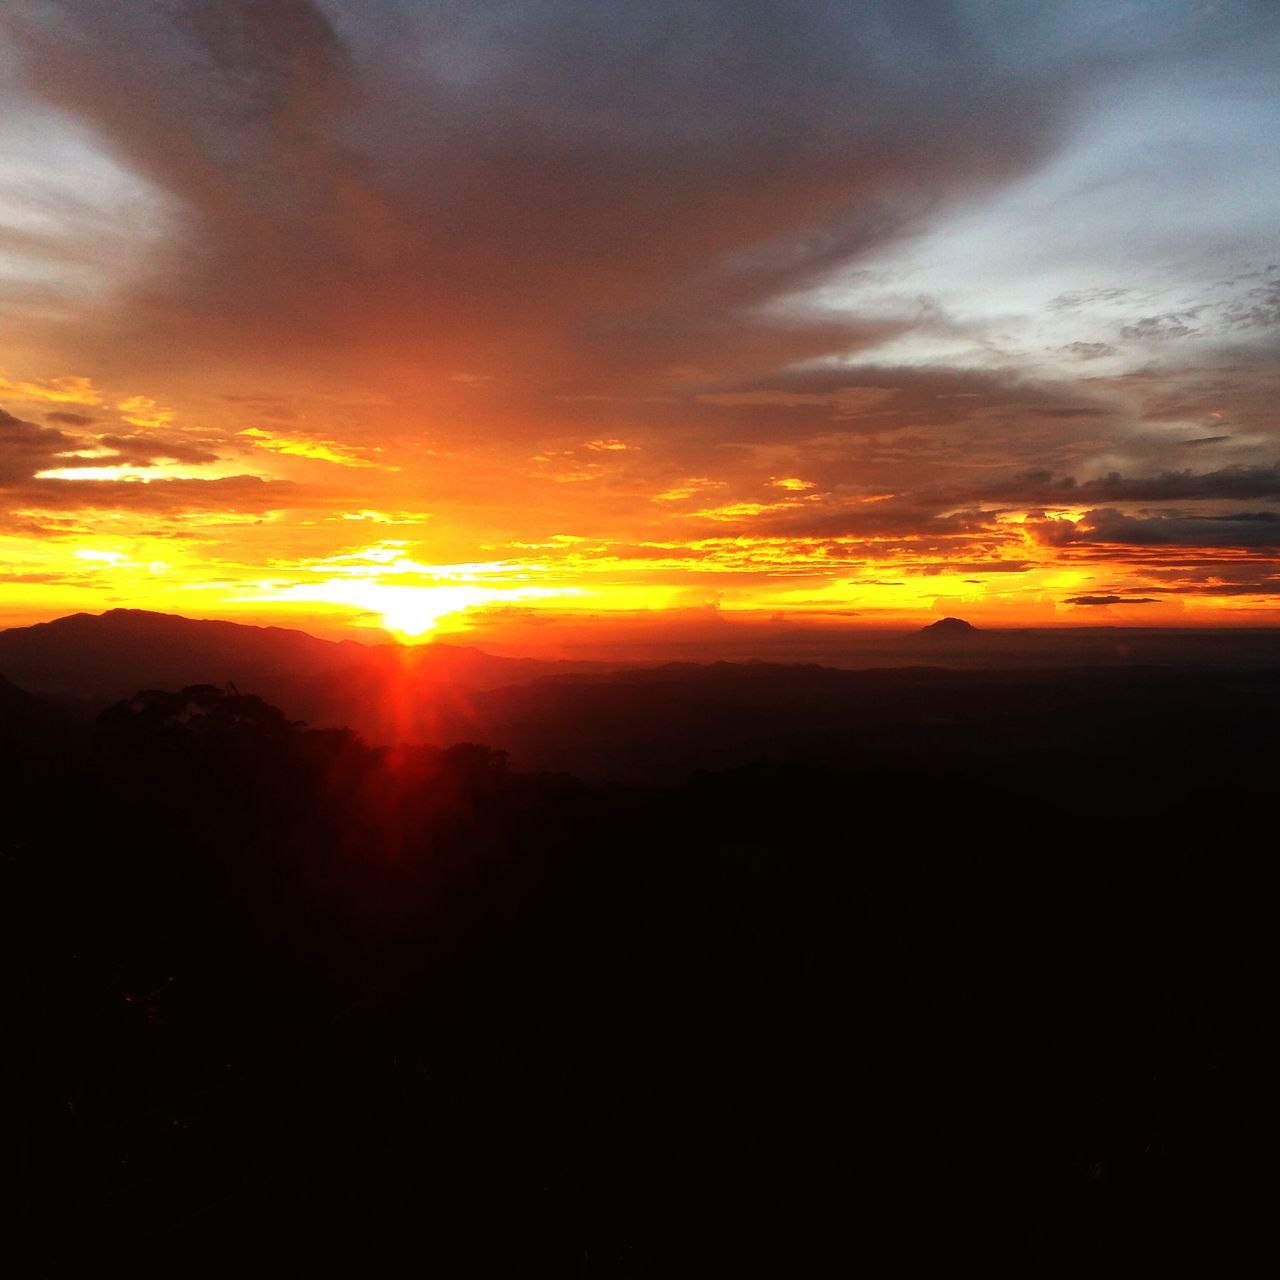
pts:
pixel 113 654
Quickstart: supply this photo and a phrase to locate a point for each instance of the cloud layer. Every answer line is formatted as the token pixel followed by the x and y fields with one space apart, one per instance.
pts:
pixel 983 291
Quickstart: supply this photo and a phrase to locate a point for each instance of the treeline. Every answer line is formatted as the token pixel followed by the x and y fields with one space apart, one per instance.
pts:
pixel 277 998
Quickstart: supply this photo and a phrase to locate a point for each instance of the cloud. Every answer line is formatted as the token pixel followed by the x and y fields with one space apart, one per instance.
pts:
pixel 26 448
pixel 67 390
pixel 151 448
pixel 1259 309
pixel 142 411
pixel 1246 529
pixel 1159 328
pixel 558 188
pixel 1090 350
pixel 680 256
pixel 1229 483
pixel 874 398
pixel 693 486
pixel 1076 299
pixel 299 445
pixel 222 494
pixel 28 453
pixel 1108 600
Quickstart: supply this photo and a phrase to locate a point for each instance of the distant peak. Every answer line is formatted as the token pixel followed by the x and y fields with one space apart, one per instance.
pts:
pixel 949 627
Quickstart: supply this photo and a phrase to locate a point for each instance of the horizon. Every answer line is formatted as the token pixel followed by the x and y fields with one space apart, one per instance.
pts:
pixel 954 641
pixel 531 326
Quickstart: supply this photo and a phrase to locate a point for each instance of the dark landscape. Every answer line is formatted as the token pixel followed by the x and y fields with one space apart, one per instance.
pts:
pixel 807 966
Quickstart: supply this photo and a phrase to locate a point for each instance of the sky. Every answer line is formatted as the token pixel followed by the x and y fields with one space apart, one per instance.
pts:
pixel 537 320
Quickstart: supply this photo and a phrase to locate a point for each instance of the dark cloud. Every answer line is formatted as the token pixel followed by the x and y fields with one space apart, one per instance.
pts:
pixel 1105 600
pixel 68 419
pixel 558 189
pixel 873 397
pixel 907 521
pixel 1265 586
pixel 243 494
pixel 1229 483
pixel 1247 529
pixel 146 449
pixel 26 448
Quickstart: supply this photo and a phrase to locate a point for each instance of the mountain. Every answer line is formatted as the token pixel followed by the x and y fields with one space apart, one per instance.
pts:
pixel 950 629
pixel 29 722
pixel 114 654
pixel 101 658
pixel 950 699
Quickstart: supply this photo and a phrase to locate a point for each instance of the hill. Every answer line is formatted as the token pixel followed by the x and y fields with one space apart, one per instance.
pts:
pixel 29 723
pixel 107 656
pixel 949 629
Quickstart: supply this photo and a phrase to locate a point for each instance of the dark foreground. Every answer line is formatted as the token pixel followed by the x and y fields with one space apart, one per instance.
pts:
pixel 279 1000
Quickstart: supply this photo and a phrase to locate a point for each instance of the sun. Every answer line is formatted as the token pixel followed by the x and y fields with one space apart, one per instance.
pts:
pixel 406 610
pixel 414 612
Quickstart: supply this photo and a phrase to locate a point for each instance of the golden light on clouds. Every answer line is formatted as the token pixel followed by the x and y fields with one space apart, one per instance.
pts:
pixel 142 411
pixel 298 445
pixel 65 390
pixel 906 366
pixel 386 587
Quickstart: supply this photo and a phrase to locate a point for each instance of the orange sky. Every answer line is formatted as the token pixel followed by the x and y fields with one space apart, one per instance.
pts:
pixel 507 322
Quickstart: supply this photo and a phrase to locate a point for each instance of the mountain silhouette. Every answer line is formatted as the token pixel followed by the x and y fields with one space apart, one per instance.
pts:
pixel 950 629
pixel 950 697
pixel 107 656
pixel 30 722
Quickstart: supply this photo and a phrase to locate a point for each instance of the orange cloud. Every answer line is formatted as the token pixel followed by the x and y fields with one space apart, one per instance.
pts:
pixel 303 446
pixel 734 510
pixel 688 489
pixel 66 390
pixel 142 411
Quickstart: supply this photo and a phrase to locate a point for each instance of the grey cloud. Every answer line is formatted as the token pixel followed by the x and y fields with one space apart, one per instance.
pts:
pixel 919 395
pixel 1230 483
pixel 1247 529
pixel 557 187
pixel 1088 298
pixel 26 448
pixel 1159 328
pixel 1090 350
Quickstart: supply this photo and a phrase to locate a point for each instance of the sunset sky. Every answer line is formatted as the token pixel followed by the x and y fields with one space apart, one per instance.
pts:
pixel 523 318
